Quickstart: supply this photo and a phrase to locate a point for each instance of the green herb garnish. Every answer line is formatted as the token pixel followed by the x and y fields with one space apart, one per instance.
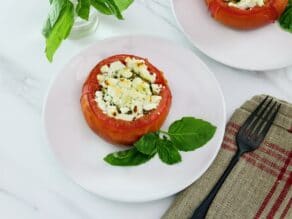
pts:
pixel 186 134
pixel 147 144
pixel 189 133
pixel 58 25
pixel 61 18
pixel 167 152
pixel 83 9
pixel 130 157
pixel 285 20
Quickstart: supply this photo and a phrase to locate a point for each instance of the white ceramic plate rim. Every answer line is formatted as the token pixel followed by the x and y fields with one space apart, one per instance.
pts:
pixel 161 195
pixel 218 58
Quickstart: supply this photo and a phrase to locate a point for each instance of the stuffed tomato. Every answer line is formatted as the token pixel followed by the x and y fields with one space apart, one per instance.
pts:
pixel 246 14
pixel 125 97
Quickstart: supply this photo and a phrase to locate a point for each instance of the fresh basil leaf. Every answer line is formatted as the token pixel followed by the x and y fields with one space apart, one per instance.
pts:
pixel 130 157
pixel 285 20
pixel 101 6
pixel 147 144
pixel 111 7
pixel 60 30
pixel 123 4
pixel 57 6
pixel 83 9
pixel 190 133
pixel 167 152
pixel 114 8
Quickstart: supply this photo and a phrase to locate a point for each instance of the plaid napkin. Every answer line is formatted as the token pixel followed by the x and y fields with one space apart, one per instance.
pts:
pixel 259 186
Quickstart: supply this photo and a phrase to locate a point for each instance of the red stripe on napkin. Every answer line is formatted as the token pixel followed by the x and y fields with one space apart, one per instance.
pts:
pixel 288 206
pixel 277 148
pixel 281 197
pixel 262 149
pixel 273 189
pixel 257 161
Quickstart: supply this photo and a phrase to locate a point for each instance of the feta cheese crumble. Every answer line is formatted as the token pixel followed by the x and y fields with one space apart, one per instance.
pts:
pixel 246 4
pixel 128 90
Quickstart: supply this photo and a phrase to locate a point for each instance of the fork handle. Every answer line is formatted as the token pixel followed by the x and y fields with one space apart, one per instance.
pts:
pixel 203 208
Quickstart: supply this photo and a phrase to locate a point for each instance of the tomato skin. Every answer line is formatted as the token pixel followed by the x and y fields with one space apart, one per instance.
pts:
pixel 115 130
pixel 246 19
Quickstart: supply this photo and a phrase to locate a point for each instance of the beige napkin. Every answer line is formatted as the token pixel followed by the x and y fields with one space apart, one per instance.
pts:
pixel 260 184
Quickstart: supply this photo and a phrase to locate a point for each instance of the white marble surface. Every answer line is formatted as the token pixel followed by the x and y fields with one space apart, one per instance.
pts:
pixel 32 184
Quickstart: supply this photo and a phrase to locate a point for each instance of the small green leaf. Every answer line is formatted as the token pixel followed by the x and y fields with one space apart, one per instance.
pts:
pixel 111 7
pixel 60 30
pixel 147 144
pixel 57 6
pixel 190 133
pixel 114 8
pixel 123 4
pixel 101 6
pixel 285 20
pixel 167 152
pixel 130 157
pixel 83 9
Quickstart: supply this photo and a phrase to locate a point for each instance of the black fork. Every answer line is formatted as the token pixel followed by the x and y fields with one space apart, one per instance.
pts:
pixel 249 137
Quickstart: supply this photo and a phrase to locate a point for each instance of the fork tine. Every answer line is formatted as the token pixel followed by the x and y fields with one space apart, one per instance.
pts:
pixel 253 115
pixel 259 117
pixel 270 121
pixel 265 118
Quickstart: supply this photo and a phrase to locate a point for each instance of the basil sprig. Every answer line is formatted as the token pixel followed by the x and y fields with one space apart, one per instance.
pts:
pixel 83 9
pixel 186 134
pixel 58 25
pixel 130 157
pixel 61 18
pixel 285 20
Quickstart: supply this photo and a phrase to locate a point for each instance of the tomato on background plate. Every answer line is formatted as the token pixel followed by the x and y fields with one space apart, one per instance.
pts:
pixel 246 18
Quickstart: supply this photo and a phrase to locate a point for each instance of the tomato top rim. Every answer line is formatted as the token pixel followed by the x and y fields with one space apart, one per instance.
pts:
pixel 269 5
pixel 91 85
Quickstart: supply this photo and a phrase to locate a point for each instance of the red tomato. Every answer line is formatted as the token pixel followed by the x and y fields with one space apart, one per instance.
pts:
pixel 246 19
pixel 116 130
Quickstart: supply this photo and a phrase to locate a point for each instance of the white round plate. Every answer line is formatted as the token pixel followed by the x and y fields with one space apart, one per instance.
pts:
pixel 81 152
pixel 261 49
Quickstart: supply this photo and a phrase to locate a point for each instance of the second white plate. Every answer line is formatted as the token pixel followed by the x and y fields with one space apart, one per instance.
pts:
pixel 81 152
pixel 261 49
